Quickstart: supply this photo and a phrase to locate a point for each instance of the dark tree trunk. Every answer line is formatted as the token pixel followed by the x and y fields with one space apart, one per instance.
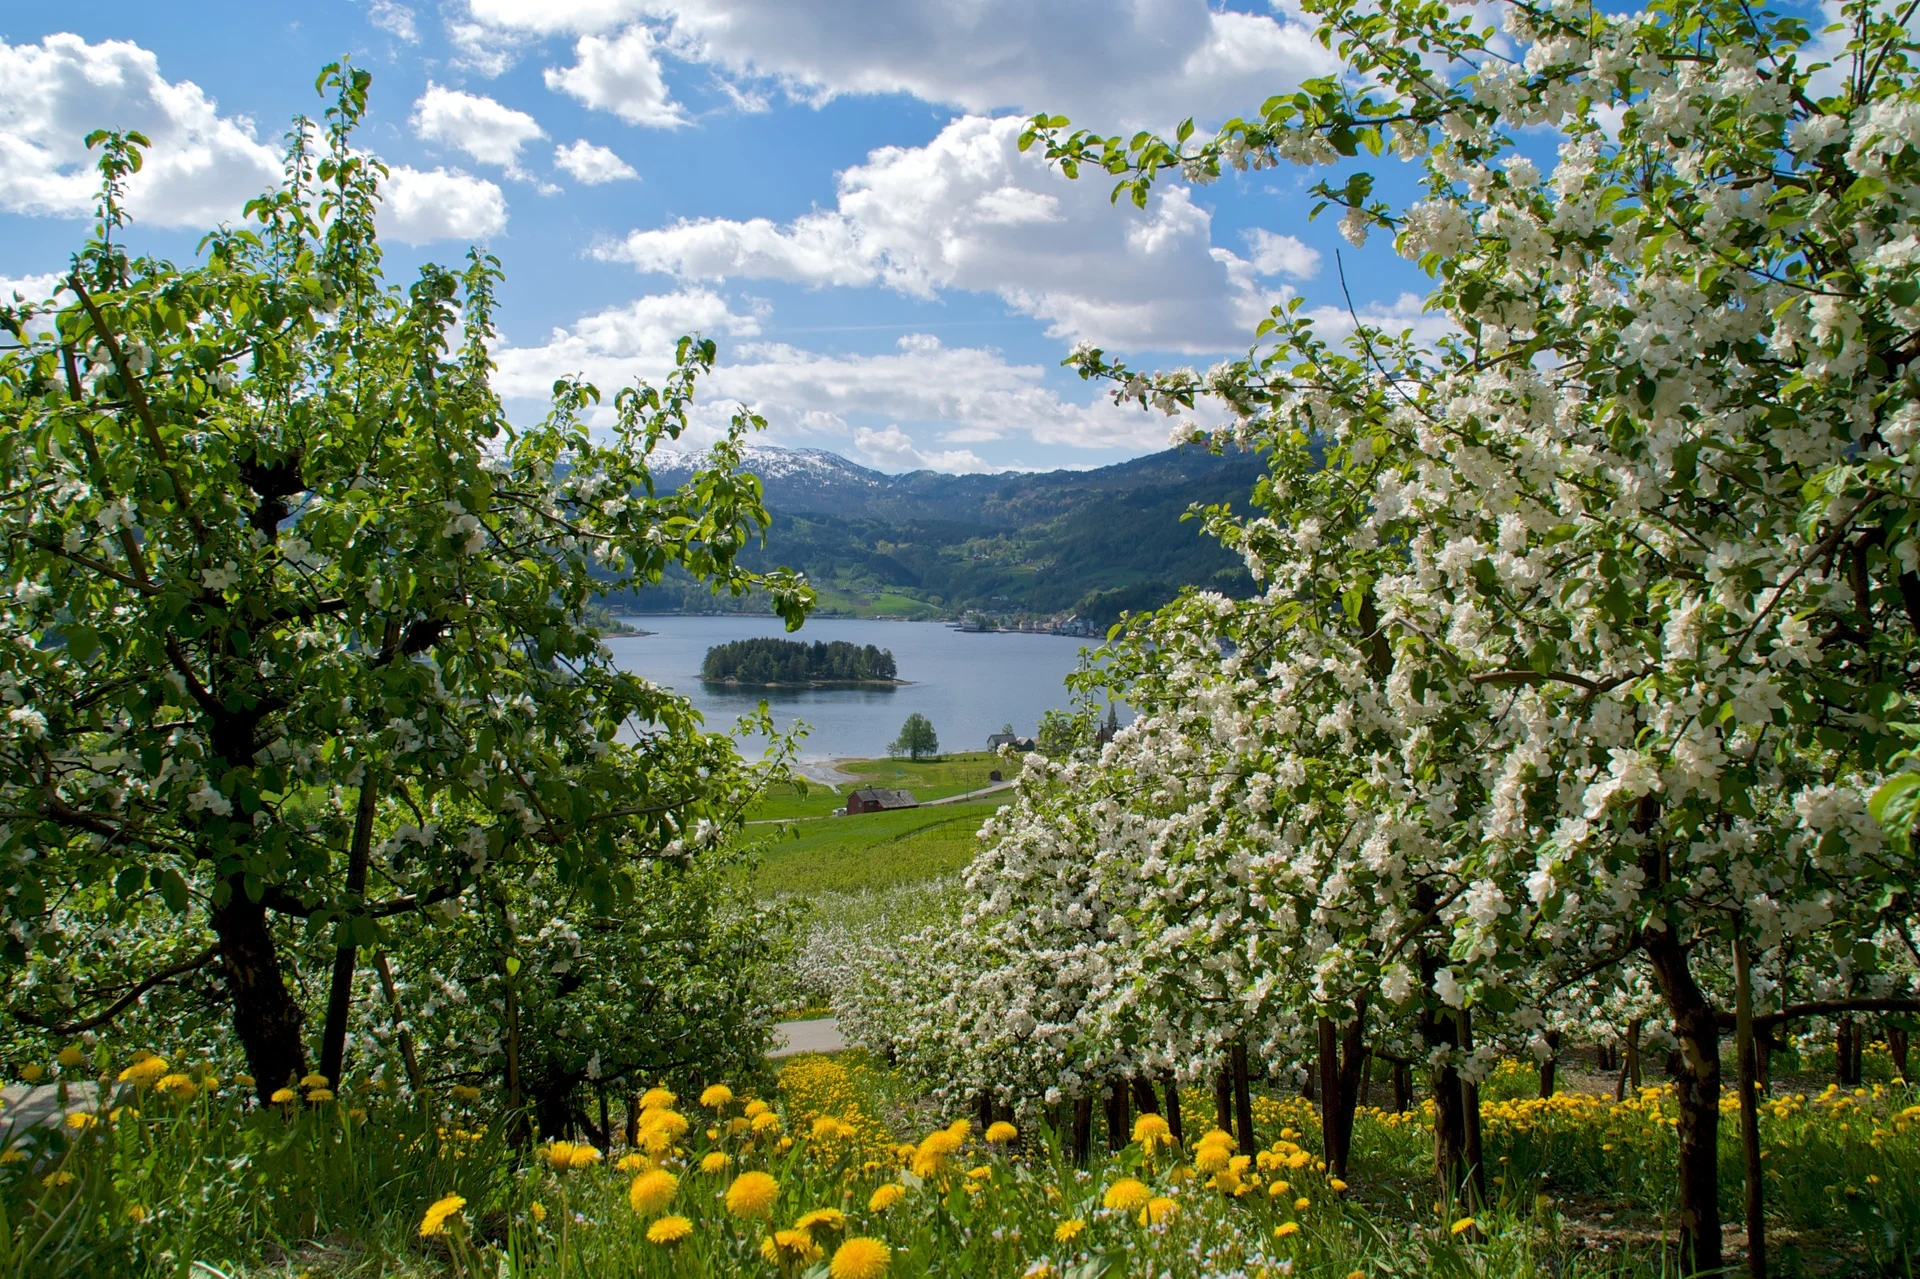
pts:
pixel 1697 1091
pixel 1897 1045
pixel 1843 1053
pixel 633 1119
pixel 1310 1086
pixel 1633 1054
pixel 1243 1097
pixel 1223 1099
pixel 983 1110
pixel 1748 1072
pixel 266 1017
pixel 1143 1099
pixel 1470 1111
pixel 408 1057
pixel 1172 1087
pixel 555 1112
pixel 1082 1131
pixel 1547 1066
pixel 1402 1086
pixel 1119 1121
pixel 1457 1174
pixel 1342 1052
pixel 333 1036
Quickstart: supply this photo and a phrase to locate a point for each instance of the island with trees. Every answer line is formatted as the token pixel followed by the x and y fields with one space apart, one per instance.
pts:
pixel 780 663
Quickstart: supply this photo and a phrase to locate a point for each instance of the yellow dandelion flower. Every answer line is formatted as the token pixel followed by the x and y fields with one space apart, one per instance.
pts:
pixel 1150 1132
pixel 1127 1195
pixel 142 1072
pixel 538 1211
pixel 80 1120
pixel 1302 1204
pixel 436 1219
pixel 1000 1132
pixel 13 1155
pixel 582 1156
pixel 1211 1158
pixel 822 1218
pixel 34 1072
pixel 284 1096
pixel 315 1080
pixel 633 1163
pixel 752 1194
pixel 70 1057
pixel 54 1180
pixel 1336 1185
pixel 1068 1230
pixel 1278 1189
pixel 1158 1209
pixel 652 1191
pixel 715 1162
pixel 315 1095
pixel 243 1081
pixel 1461 1226
pixel 669 1230
pixel 790 1248
pixel 136 1213
pixel 766 1121
pixel 886 1197
pixel 756 1108
pixel 860 1257
pixel 1286 1228
pixel 656 1099
pixel 718 1097
pixel 465 1092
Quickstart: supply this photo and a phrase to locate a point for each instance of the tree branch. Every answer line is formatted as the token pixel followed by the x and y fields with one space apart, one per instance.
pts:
pixel 114 1009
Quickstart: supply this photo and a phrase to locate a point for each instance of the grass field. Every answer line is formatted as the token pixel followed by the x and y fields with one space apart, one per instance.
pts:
pixel 927 779
pixel 871 850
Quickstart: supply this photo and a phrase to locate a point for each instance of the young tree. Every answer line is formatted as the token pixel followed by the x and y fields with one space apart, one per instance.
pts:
pixel 916 738
pixel 298 622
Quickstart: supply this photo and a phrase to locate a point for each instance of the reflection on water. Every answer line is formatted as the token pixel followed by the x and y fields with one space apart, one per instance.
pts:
pixel 968 685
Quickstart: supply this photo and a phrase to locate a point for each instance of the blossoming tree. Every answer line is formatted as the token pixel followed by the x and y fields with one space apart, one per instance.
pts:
pixel 297 622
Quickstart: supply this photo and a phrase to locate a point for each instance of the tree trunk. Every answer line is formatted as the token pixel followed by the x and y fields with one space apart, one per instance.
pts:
pixel 983 1109
pixel 1172 1087
pixel 1342 1054
pixel 1547 1066
pixel 1633 1053
pixel 266 1017
pixel 1402 1086
pixel 1143 1099
pixel 1223 1099
pixel 1749 1075
pixel 633 1119
pixel 408 1057
pixel 1082 1131
pixel 333 1037
pixel 1450 1160
pixel 1243 1097
pixel 1470 1112
pixel 1897 1044
pixel 1697 1090
pixel 1843 1053
pixel 1118 1120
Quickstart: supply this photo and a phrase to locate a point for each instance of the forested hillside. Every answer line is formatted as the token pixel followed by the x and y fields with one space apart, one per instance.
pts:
pixel 778 661
pixel 926 544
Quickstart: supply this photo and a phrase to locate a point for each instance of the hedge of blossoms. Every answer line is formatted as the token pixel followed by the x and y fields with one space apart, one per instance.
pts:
pixel 1586 633
pixel 298 626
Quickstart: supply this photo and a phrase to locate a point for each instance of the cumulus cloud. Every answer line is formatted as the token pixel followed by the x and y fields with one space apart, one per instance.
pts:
pixel 957 395
pixel 592 164
pixel 201 169
pixel 620 74
pixel 1273 254
pixel 440 204
pixel 489 131
pixel 1106 66
pixel 394 19
pixel 29 288
pixel 970 211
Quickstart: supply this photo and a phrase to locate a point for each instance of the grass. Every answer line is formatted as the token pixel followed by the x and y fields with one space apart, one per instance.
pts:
pixel 870 850
pixel 927 779
pixel 202 1183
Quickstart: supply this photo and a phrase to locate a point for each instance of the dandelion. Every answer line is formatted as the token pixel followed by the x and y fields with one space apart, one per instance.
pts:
pixel 315 1080
pixel 1158 1209
pixel 284 1097
pixel 1461 1226
pixel 315 1095
pixel 33 1072
pixel 669 1231
pixel 435 1221
pixel 136 1213
pixel 790 1248
pixel 1069 1230
pixel 13 1155
pixel 656 1099
pixel 80 1120
pixel 652 1191
pixel 752 1194
pixel 829 1218
pixel 860 1257
pixel 1302 1204
pixel 1285 1229
pixel 584 1156
pixel 466 1093
pixel 142 1072
pixel 633 1163
pixel 54 1180
pixel 70 1057
pixel 1278 1189
pixel 1001 1132
pixel 1336 1185
pixel 715 1162
pixel 718 1097
pixel 1150 1132
pixel 886 1197
pixel 1127 1195
pixel 756 1108
pixel 538 1211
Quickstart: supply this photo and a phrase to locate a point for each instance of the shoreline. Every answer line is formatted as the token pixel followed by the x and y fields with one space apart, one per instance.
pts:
pixel 812 683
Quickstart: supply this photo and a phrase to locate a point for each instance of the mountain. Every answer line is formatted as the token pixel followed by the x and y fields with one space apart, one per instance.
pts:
pixel 925 544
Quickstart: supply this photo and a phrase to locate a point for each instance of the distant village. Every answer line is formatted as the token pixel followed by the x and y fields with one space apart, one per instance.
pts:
pixel 1059 624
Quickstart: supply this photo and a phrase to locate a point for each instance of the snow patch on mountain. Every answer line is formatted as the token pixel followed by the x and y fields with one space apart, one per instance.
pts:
pixel 771 463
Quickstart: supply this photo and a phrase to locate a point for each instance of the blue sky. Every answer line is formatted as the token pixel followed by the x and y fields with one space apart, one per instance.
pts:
pixel 827 187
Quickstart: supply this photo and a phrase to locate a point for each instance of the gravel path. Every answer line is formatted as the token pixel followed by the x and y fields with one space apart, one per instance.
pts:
pixel 23 1106
pixel 819 1036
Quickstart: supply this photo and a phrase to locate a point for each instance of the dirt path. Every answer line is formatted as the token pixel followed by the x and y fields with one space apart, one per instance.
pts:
pixel 819 1036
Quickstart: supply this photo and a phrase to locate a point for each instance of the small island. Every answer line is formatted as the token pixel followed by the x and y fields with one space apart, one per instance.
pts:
pixel 779 663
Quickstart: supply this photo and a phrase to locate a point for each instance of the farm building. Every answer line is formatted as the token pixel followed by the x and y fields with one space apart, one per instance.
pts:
pixel 874 800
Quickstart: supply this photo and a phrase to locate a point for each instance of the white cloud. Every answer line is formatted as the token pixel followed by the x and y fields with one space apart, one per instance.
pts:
pixel 484 50
pixel 1274 254
pixel 969 211
pixel 201 169
pixel 29 288
pixel 890 449
pixel 394 19
pixel 961 395
pixel 1405 312
pixel 489 131
pixel 1146 63
pixel 592 164
pixel 622 75
pixel 440 204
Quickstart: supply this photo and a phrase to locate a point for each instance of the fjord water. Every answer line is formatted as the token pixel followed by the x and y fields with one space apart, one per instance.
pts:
pixel 967 684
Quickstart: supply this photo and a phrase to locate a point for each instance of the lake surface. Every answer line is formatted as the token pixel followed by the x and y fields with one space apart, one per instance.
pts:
pixel 967 684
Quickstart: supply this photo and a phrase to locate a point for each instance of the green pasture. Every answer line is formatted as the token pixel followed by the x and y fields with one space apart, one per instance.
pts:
pixel 928 779
pixel 869 850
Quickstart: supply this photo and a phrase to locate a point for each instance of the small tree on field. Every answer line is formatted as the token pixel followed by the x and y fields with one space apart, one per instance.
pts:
pixel 916 738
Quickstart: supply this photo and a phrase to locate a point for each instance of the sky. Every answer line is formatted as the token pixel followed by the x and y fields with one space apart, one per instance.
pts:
pixel 828 188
